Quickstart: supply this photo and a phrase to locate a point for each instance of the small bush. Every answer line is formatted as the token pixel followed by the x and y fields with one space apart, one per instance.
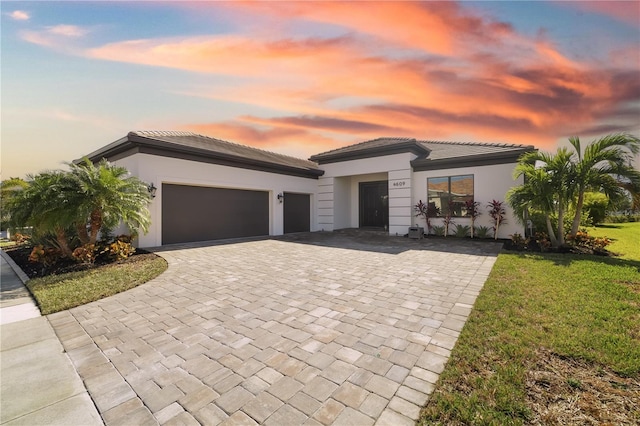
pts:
pixel 462 231
pixel 519 242
pixel 120 250
pixel 482 232
pixel 85 254
pixel 583 240
pixel 438 230
pixel 46 256
pixel 543 241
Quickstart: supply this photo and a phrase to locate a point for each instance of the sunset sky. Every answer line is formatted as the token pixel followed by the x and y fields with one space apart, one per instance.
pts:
pixel 301 78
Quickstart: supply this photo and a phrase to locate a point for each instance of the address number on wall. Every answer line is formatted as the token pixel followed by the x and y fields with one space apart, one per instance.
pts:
pixel 399 183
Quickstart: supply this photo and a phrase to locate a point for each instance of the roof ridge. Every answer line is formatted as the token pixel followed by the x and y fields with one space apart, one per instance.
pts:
pixel 152 133
pixel 398 138
pixel 496 144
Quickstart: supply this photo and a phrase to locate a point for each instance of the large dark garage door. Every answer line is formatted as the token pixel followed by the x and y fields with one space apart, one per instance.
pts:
pixel 297 212
pixel 195 213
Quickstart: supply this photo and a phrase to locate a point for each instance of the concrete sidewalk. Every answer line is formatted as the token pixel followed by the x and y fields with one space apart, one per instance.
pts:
pixel 39 384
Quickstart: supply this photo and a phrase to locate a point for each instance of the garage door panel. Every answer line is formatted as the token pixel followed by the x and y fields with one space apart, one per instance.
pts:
pixel 193 213
pixel 297 212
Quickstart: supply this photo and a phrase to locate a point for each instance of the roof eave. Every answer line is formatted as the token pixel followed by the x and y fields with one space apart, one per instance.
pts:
pixel 512 156
pixel 398 148
pixel 140 144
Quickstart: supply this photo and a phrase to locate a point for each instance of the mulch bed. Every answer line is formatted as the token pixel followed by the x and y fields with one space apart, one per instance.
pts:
pixel 20 255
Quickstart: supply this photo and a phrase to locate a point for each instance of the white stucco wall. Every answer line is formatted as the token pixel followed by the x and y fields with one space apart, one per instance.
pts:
pixel 489 183
pixel 159 170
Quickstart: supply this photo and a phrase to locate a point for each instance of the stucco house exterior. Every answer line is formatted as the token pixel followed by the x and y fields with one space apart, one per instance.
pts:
pixel 210 189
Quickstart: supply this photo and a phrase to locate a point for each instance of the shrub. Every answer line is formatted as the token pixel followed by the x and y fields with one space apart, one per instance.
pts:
pixel 583 240
pixel 438 230
pixel 519 242
pixel 462 231
pixel 473 211
pixel 427 211
pixel 497 213
pixel 46 256
pixel 482 231
pixel 85 254
pixel 543 241
pixel 447 220
pixel 120 249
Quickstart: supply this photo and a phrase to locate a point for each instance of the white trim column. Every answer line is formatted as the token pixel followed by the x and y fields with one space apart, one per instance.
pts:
pixel 400 207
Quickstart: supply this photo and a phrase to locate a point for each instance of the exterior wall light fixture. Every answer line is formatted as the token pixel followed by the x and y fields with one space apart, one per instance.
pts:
pixel 152 190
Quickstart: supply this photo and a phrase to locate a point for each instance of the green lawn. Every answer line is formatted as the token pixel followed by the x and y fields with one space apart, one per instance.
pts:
pixel 551 337
pixel 59 292
pixel 625 238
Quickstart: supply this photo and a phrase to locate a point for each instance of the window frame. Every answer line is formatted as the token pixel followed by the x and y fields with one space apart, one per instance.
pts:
pixel 444 207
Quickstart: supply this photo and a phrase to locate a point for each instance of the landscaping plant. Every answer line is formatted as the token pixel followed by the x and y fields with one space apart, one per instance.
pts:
pixel 473 211
pixel 68 209
pixel 462 230
pixel 481 231
pixel 497 213
pixel 426 211
pixel 447 220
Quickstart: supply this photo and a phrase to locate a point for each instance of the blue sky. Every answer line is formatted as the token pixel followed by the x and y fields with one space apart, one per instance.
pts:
pixel 302 77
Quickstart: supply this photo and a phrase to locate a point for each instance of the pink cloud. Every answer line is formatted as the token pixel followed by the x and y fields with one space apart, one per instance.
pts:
pixel 428 70
pixel 19 15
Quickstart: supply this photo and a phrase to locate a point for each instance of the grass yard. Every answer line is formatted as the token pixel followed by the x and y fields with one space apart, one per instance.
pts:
pixel 625 238
pixel 552 339
pixel 64 291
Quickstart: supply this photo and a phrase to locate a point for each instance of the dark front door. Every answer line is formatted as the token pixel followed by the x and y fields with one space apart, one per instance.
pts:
pixel 374 205
pixel 297 212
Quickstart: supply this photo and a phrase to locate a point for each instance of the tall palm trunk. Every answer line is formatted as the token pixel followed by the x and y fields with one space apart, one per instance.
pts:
pixel 552 235
pixel 96 224
pixel 61 239
pixel 576 219
pixel 560 222
pixel 83 235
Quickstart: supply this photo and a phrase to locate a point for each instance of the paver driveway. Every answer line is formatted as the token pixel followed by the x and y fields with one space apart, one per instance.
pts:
pixel 312 329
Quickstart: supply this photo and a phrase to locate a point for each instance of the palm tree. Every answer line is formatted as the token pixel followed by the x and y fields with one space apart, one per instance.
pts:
pixel 106 195
pixel 44 204
pixel 8 189
pixel 547 188
pixel 605 166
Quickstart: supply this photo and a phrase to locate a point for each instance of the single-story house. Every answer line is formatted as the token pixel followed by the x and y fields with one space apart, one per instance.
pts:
pixel 210 189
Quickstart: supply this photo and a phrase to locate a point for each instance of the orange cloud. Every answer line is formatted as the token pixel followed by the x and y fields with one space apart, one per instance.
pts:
pixel 421 69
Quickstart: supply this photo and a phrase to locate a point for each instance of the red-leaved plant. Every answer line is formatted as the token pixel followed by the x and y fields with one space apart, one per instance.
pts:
pixel 427 211
pixel 497 213
pixel 473 211
pixel 447 220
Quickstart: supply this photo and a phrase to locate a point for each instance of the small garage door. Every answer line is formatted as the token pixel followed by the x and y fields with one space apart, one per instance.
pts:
pixel 195 213
pixel 297 212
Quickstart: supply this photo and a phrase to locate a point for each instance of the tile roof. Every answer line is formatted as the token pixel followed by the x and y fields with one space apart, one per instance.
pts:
pixel 177 143
pixel 428 152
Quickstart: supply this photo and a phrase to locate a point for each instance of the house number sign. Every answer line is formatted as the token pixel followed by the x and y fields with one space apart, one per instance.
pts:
pixel 399 183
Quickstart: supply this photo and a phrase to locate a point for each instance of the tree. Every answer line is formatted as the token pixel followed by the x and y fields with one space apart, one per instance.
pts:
pixel 44 204
pixel 605 166
pixel 8 189
pixel 105 195
pixel 547 188
pixel 74 206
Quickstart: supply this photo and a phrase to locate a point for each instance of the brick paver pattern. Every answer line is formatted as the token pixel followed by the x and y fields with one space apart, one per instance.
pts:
pixel 276 332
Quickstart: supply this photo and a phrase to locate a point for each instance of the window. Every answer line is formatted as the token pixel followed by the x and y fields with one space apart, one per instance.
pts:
pixel 450 192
